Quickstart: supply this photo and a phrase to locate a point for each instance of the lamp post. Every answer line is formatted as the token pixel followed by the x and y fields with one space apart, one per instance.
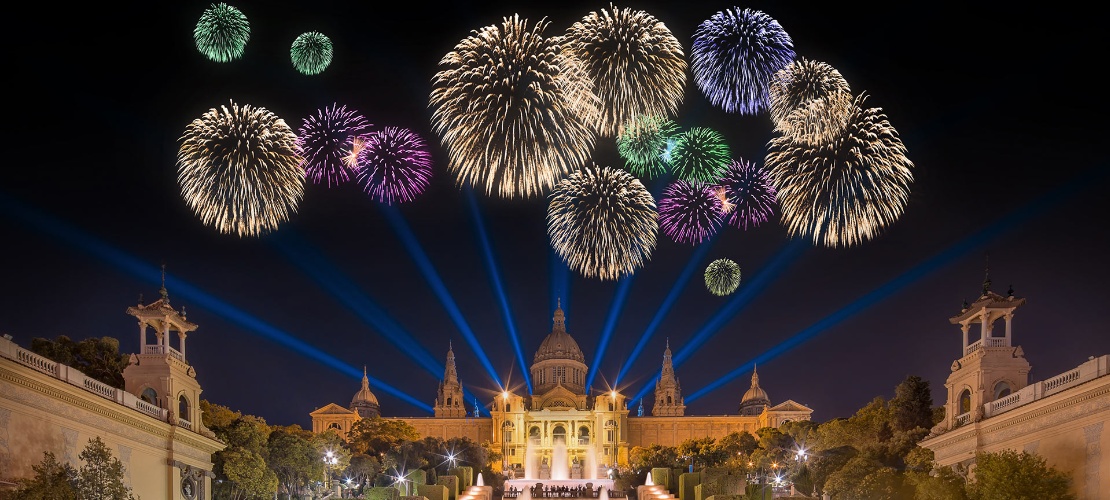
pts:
pixel 330 460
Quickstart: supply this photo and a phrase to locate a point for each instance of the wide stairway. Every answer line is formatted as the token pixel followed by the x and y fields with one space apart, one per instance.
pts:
pixel 477 493
pixel 654 492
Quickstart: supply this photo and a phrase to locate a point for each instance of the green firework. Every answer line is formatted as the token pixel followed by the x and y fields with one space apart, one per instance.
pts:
pixel 699 155
pixel 642 143
pixel 222 33
pixel 311 52
pixel 722 277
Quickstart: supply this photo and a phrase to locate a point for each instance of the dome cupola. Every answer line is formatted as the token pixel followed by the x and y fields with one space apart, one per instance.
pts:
pixel 365 403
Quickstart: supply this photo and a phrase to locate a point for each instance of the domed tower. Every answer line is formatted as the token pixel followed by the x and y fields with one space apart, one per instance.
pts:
pixel 755 399
pixel 559 360
pixel 365 403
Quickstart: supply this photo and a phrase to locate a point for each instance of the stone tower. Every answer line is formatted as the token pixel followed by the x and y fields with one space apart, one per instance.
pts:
pixel 159 374
pixel 989 367
pixel 668 392
pixel 449 400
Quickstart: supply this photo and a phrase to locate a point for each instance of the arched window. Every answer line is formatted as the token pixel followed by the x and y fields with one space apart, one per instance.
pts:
pixel 334 425
pixel 507 432
pixel 559 435
pixel 150 396
pixel 583 435
pixel 534 435
pixel 182 407
pixel 1001 390
pixel 965 401
pixel 668 399
pixel 448 400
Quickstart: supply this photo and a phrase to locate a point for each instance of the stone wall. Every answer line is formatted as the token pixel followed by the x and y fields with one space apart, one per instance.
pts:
pixel 672 431
pixel 40 413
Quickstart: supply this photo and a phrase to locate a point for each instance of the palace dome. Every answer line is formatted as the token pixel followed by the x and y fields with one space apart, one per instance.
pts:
pixel 365 403
pixel 559 344
pixel 755 399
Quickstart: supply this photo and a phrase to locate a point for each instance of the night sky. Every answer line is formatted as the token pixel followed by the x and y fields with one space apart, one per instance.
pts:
pixel 1001 113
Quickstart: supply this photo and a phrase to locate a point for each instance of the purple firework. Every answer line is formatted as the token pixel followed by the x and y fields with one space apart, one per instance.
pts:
pixel 394 165
pixel 326 141
pixel 734 56
pixel 690 213
pixel 749 193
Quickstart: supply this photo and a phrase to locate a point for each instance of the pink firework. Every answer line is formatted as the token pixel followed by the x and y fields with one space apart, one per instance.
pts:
pixel 326 140
pixel 748 188
pixel 394 165
pixel 690 213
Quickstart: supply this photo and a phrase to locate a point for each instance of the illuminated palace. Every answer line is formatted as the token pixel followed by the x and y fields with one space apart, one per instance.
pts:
pixel 593 426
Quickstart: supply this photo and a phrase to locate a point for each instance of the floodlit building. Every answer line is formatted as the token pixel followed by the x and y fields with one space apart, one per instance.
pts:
pixel 153 425
pixel 991 405
pixel 593 426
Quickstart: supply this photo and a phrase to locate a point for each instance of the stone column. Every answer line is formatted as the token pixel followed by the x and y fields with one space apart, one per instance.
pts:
pixel 963 348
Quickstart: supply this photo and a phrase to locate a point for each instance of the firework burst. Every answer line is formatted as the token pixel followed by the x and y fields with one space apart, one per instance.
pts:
pixel 602 222
pixel 698 155
pixel 515 111
pixel 846 190
pixel 239 169
pixel 749 188
pixel 394 165
pixel 690 213
pixel 642 143
pixel 636 64
pixel 222 32
pixel 810 101
pixel 327 141
pixel 722 277
pixel 734 55
pixel 311 52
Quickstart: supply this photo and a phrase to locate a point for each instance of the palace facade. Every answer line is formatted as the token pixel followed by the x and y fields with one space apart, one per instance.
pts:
pixel 152 426
pixel 594 426
pixel 991 406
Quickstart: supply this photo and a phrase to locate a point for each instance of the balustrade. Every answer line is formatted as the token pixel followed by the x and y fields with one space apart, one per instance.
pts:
pixel 963 419
pixel 37 362
pixel 185 424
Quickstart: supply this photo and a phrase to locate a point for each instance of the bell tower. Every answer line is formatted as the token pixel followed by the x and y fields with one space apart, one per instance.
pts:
pixel 449 401
pixel 160 374
pixel 668 393
pixel 990 367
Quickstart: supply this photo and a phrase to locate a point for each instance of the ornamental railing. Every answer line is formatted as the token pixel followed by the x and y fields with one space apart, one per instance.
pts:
pixel 1092 369
pixel 75 377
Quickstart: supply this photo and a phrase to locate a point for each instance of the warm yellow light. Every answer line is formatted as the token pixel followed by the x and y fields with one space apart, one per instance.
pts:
pixel 614 393
pixel 505 394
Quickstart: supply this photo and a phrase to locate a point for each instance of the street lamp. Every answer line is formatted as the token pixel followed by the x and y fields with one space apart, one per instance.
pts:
pixel 330 461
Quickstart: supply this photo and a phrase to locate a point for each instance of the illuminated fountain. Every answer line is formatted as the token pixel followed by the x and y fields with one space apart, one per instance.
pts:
pixel 559 465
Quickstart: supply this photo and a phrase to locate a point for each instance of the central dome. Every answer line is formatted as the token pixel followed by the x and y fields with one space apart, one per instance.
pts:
pixel 559 344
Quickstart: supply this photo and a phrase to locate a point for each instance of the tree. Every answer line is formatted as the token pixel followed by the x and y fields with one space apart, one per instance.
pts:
pixel 738 443
pixel 363 468
pixel 293 458
pixel 97 358
pixel 644 459
pixel 1017 476
pixel 52 481
pixel 375 436
pixel 244 475
pixel 865 478
pixel 330 441
pixel 702 451
pixel 101 477
pixel 912 405
pixel 941 484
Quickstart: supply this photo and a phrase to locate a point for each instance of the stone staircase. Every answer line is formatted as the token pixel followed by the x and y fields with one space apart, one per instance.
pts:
pixel 653 492
pixel 477 493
